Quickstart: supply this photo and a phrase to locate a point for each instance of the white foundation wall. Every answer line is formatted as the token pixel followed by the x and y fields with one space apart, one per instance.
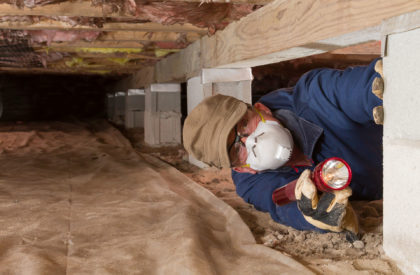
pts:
pixel 119 108
pixel 240 90
pixel 110 106
pixel 402 150
pixel 134 108
pixel 162 116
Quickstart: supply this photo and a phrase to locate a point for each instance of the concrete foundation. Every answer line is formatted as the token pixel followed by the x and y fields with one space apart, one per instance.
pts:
pixel 162 117
pixel 119 108
pixel 402 143
pixel 134 108
pixel 232 82
pixel 110 106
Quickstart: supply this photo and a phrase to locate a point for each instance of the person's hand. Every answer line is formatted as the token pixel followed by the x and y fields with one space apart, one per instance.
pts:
pixel 332 211
pixel 378 90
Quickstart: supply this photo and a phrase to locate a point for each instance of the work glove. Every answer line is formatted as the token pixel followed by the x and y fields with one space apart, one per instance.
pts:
pixel 378 90
pixel 332 211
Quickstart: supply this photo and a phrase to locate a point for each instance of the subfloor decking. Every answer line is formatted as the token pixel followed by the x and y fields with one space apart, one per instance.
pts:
pixel 76 198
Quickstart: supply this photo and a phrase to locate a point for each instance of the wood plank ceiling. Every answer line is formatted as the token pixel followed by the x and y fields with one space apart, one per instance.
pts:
pixel 105 37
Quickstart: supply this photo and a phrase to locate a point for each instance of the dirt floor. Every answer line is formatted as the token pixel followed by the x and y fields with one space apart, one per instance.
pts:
pixel 76 198
pixel 327 253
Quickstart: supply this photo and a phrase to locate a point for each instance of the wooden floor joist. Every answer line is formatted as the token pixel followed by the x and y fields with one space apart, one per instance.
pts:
pixel 126 54
pixel 66 71
pixel 49 24
pixel 97 44
pixel 148 36
pixel 283 30
pixel 139 36
pixel 144 77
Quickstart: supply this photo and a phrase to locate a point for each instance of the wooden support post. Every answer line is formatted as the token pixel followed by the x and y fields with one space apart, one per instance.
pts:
pixel 162 117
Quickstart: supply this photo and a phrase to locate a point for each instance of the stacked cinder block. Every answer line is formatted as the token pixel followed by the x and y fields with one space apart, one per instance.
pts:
pixel 119 108
pixel 134 108
pixel 402 146
pixel 162 123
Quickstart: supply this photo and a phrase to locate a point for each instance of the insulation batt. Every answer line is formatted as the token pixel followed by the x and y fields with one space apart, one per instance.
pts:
pixel 15 51
pixel 30 3
pixel 33 3
pixel 49 36
pixel 213 16
pixel 29 59
pixel 118 6
pixel 18 18
pixel 12 36
pixel 44 58
pixel 73 21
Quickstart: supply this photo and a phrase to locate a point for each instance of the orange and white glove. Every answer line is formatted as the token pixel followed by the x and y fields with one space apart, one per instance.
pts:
pixel 378 90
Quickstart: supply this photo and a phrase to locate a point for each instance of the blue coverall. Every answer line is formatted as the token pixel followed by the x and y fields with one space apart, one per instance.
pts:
pixel 329 113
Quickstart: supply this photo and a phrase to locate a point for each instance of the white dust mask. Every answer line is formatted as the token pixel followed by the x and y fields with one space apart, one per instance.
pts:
pixel 269 146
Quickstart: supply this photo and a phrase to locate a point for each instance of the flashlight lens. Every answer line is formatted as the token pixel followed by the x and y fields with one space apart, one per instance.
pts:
pixel 335 174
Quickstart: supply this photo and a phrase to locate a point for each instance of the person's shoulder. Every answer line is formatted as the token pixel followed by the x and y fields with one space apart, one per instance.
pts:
pixel 278 99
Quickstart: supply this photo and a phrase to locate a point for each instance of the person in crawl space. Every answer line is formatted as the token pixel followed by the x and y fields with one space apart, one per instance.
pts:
pixel 281 138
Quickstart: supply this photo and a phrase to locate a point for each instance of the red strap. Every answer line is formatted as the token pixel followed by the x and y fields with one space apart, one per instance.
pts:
pixel 297 170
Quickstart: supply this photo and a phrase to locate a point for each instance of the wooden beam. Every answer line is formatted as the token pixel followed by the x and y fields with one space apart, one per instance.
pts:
pixel 284 30
pixel 153 54
pixel 97 62
pixel 97 44
pixel 180 66
pixel 139 36
pixel 66 71
pixel 148 36
pixel 140 79
pixel 99 54
pixel 313 23
pixel 369 48
pixel 93 67
pixel 117 56
pixel 50 24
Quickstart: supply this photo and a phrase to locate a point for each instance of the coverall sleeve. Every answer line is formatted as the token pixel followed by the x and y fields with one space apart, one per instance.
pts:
pixel 257 189
pixel 348 91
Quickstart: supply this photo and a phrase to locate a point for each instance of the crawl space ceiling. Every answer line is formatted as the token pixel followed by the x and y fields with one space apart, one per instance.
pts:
pixel 108 37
